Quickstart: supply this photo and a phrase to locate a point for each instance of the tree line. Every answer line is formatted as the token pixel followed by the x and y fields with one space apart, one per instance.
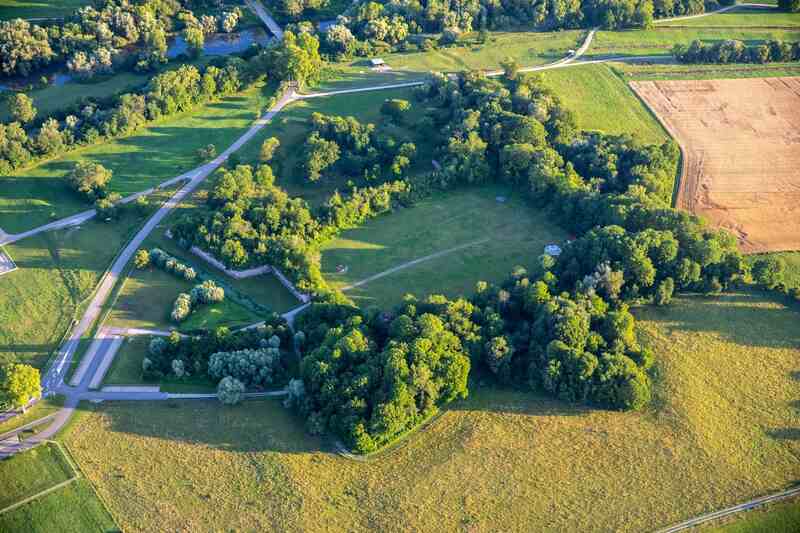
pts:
pixel 27 139
pixel 734 51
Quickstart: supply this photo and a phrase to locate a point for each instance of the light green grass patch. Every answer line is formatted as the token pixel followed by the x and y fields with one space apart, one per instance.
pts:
pixel 660 40
pixel 26 474
pixel 602 101
pixel 11 9
pixel 742 18
pixel 501 460
pixel 56 272
pixel 638 71
pixel 505 234
pixel 158 152
pixel 127 366
pixel 528 48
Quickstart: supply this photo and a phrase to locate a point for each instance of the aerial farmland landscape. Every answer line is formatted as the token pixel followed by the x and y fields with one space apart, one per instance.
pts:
pixel 386 265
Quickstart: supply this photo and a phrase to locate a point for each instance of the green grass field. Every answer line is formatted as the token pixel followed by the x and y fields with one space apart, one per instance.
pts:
pixel 660 40
pixel 146 298
pixel 742 18
pixel 57 272
pixel 158 152
pixel 528 48
pixel 505 235
pixel 26 474
pixel 638 71
pixel 722 430
pixel 127 366
pixel 42 408
pixel 602 101
pixel 10 9
pixel 781 517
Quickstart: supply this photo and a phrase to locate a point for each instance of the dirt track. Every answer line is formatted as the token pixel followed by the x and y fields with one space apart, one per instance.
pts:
pixel 741 141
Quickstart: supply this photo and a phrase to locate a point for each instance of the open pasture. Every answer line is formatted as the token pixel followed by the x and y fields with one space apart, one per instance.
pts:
pixel 741 154
pixel 479 237
pixel 722 430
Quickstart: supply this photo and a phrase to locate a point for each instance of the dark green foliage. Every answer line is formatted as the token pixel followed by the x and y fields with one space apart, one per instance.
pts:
pixel 194 352
pixel 769 271
pixel 733 51
pixel 368 381
pixel 792 6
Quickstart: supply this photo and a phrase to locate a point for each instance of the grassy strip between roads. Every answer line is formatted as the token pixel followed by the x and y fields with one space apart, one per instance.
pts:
pixel 42 408
pixel 721 431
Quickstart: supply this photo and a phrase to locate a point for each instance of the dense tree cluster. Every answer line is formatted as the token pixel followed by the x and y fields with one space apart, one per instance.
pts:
pixel 179 356
pixel 733 51
pixel 205 293
pixel 92 39
pixel 347 147
pixel 258 367
pixel 792 6
pixel 368 380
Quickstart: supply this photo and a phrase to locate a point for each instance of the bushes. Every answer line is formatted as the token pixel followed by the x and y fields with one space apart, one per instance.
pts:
pixel 230 391
pixel 171 265
pixel 252 367
pixel 733 51
pixel 181 308
pixel 203 294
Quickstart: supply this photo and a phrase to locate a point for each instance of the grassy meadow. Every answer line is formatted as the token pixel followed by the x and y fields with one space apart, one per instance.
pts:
pixel 501 235
pixel 602 101
pixel 26 474
pixel 782 517
pixel 741 18
pixel 158 152
pixel 722 430
pixel 57 272
pixel 11 9
pixel 640 72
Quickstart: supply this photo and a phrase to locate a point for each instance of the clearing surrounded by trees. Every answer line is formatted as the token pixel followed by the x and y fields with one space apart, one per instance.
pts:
pixel 741 142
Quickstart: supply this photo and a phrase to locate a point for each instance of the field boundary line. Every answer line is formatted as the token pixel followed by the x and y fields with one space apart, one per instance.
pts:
pixel 411 263
pixel 728 511
pixel 76 473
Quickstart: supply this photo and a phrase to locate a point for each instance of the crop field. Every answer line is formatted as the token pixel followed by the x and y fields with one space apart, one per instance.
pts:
pixel 10 9
pixel 34 196
pixel 528 48
pixel 494 238
pixel 740 139
pixel 602 101
pixel 723 430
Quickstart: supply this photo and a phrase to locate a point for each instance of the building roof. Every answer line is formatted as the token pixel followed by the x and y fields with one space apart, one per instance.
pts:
pixel 377 61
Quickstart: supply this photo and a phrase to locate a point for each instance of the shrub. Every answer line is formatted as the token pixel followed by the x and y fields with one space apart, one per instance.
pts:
pixel 207 293
pixel 268 148
pixel 89 179
pixel 230 391
pixel 253 367
pixel 142 259
pixel 181 308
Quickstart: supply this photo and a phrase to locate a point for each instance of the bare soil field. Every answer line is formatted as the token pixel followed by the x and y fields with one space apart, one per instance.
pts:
pixel 741 145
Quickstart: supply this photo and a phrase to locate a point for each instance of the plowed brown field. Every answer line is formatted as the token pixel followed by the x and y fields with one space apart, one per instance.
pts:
pixel 741 145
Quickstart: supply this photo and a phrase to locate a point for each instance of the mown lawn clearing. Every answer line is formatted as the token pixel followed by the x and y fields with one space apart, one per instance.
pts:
pixel 158 152
pixel 505 234
pixel 742 18
pixel 720 432
pixel 641 72
pixel 602 101
pixel 127 366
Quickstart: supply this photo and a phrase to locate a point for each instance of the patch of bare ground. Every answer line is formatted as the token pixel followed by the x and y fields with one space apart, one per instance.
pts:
pixel 741 145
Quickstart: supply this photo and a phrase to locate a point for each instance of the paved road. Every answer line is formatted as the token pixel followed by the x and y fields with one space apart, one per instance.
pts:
pixel 261 12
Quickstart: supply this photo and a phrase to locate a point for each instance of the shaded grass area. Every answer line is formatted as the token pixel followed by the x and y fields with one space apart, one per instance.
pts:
pixel 127 366
pixel 25 474
pixel 42 408
pixel 506 234
pixel 602 101
pixel 719 433
pixel 781 517
pixel 158 152
pixel 146 298
pixel 57 272
pixel 528 48
pixel 10 9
